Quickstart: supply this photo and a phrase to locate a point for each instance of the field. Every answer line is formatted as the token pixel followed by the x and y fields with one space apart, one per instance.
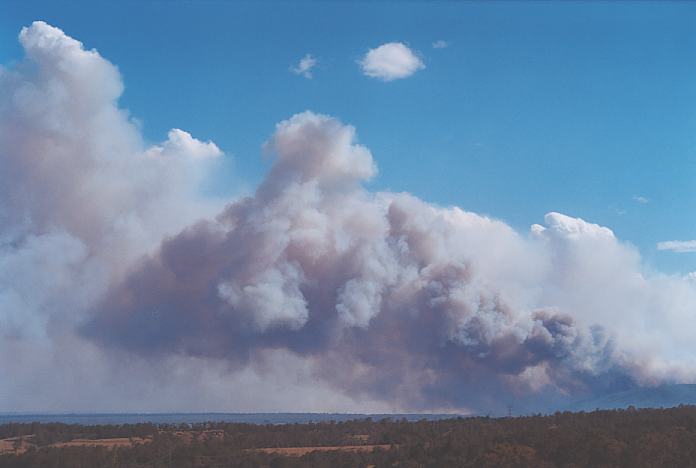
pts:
pixel 15 445
pixel 299 451
pixel 106 443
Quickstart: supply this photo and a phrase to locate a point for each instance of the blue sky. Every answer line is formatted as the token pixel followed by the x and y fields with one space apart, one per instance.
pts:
pixel 533 107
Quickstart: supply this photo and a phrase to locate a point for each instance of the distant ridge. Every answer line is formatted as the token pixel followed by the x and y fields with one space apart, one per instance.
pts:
pixel 191 418
pixel 664 396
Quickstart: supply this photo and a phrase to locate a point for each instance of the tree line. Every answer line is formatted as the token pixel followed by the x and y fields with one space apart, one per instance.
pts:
pixel 615 438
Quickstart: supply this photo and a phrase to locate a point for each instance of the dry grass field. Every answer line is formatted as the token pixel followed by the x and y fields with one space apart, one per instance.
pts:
pixel 16 445
pixel 108 443
pixel 299 451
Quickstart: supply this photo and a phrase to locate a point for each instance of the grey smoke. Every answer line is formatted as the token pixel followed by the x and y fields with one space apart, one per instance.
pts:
pixel 389 296
pixel 312 293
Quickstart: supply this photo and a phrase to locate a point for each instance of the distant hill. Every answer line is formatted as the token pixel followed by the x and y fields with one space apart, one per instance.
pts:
pixel 192 418
pixel 665 396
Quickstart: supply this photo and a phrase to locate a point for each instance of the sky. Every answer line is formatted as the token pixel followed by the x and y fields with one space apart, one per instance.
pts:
pixel 333 206
pixel 581 108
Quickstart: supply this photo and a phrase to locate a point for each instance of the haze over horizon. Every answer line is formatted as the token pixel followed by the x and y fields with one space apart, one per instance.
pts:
pixel 150 275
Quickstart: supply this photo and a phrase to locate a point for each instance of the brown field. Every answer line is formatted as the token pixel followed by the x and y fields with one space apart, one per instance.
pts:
pixel 15 445
pixel 299 451
pixel 108 443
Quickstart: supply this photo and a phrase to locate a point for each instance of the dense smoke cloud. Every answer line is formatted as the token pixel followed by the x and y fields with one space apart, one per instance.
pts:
pixel 352 299
pixel 389 295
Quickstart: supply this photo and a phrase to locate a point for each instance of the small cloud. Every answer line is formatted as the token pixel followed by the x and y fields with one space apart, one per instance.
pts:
pixel 391 61
pixel 440 44
pixel 678 246
pixel 640 199
pixel 181 144
pixel 305 66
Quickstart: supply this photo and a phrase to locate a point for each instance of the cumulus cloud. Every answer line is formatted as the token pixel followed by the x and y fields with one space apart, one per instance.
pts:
pixel 391 61
pixel 641 199
pixel 313 289
pixel 305 66
pixel 72 160
pixel 440 44
pixel 677 246
pixel 181 144
pixel 561 225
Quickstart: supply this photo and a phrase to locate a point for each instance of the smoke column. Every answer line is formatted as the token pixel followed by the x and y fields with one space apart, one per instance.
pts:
pixel 113 267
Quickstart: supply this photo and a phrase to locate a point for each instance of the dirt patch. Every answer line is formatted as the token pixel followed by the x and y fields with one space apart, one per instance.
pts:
pixel 16 445
pixel 108 443
pixel 299 451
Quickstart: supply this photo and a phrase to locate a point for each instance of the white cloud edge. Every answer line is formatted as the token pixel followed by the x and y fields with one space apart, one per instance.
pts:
pixel 305 66
pixel 678 246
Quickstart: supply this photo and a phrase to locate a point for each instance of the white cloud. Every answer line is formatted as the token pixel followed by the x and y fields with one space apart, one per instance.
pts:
pixel 678 246
pixel 305 66
pixel 181 144
pixel 572 228
pixel 440 44
pixel 391 61
pixel 640 199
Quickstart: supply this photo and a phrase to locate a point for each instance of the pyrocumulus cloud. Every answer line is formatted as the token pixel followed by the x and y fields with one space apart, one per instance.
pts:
pixel 314 293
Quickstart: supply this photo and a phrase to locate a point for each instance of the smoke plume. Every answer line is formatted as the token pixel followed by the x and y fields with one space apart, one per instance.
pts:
pixel 113 266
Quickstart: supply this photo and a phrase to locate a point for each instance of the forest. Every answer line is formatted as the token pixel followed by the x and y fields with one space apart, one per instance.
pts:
pixel 614 438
